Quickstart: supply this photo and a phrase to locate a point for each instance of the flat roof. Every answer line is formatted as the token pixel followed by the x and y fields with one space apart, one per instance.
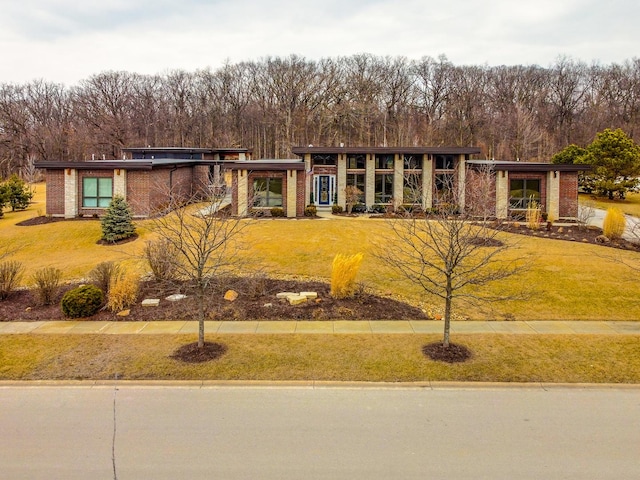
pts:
pixel 185 150
pixel 388 150
pixel 149 164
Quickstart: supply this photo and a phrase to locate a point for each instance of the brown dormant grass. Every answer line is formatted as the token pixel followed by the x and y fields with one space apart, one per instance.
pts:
pixel 365 358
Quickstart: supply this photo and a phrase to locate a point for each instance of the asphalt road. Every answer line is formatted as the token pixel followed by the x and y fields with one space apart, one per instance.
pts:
pixel 318 433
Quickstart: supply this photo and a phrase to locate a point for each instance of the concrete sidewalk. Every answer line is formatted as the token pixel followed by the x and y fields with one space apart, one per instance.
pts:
pixel 323 327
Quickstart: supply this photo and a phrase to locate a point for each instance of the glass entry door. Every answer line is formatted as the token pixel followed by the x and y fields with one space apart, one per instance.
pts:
pixel 324 189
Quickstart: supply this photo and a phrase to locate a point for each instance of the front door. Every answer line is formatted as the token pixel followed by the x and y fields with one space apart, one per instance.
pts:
pixel 324 189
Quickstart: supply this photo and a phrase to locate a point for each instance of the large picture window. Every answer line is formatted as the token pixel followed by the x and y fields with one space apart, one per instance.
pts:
pixel 267 192
pixel 522 191
pixel 97 192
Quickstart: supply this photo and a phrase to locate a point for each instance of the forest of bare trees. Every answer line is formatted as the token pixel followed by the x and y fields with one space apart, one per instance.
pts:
pixel 269 105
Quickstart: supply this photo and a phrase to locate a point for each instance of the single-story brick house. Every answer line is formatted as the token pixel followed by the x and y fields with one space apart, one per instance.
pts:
pixel 318 177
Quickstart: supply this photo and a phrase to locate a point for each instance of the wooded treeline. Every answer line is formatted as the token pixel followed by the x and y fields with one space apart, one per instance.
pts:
pixel 271 104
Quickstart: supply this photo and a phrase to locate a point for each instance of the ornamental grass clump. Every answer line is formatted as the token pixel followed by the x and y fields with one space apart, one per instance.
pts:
pixel 614 223
pixel 10 274
pixel 123 291
pixel 534 215
pixel 343 275
pixel 47 282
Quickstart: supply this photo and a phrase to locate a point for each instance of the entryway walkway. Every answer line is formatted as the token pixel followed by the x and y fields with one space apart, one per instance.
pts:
pixel 323 327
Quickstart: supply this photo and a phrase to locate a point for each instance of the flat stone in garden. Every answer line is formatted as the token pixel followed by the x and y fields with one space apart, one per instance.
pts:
pixel 151 302
pixel 283 295
pixel 176 297
pixel 296 299
pixel 309 295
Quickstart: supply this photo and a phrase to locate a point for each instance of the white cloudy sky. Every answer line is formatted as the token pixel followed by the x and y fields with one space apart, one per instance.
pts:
pixel 69 40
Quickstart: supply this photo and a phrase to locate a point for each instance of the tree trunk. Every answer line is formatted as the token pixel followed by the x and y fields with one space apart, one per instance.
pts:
pixel 447 314
pixel 201 316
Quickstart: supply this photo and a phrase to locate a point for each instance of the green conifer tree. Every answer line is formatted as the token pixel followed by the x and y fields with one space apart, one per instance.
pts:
pixel 117 223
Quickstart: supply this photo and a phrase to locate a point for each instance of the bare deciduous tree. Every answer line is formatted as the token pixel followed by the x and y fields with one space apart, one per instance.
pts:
pixel 205 239
pixel 451 252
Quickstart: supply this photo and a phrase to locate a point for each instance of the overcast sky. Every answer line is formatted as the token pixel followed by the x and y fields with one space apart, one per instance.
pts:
pixel 69 40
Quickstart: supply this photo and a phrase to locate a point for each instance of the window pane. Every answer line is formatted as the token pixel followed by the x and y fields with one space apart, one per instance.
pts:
pixel 105 187
pixel 103 202
pixel 90 202
pixel 384 162
pixel 90 187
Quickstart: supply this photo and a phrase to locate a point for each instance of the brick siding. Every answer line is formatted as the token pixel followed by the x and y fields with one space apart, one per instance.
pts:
pixel 55 192
pixel 568 194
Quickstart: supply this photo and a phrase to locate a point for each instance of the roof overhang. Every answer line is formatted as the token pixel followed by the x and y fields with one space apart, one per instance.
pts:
pixel 276 165
pixel 387 150
pixel 528 166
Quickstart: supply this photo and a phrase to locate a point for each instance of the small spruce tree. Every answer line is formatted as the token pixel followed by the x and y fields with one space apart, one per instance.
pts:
pixel 17 193
pixel 117 223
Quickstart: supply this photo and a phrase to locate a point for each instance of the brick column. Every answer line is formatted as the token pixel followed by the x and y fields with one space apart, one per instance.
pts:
pixel 292 181
pixel 502 194
pixel 120 183
pixel 553 195
pixel 462 178
pixel 341 180
pixel 243 193
pixel 370 180
pixel 70 193
pixel 398 180
pixel 427 182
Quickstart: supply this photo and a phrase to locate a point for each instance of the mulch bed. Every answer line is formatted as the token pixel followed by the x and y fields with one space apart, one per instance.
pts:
pixel 571 233
pixel 191 353
pixel 256 301
pixel 454 353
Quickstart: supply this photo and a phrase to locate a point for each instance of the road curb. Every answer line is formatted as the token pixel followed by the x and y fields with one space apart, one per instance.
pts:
pixel 313 384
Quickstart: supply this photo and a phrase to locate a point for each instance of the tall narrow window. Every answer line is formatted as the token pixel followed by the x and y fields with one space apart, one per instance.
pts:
pixel 357 180
pixel 97 192
pixel 267 192
pixel 384 188
pixel 412 188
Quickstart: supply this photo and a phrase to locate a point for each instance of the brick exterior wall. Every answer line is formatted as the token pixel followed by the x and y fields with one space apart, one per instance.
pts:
pixel 302 195
pixel 568 194
pixel 138 192
pixel 55 192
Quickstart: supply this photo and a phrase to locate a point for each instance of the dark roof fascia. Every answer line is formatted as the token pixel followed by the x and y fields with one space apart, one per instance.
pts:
pixel 266 165
pixel 184 150
pixel 387 150
pixel 125 164
pixel 530 166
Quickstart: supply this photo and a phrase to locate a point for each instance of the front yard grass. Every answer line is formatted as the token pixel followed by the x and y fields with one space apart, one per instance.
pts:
pixel 630 205
pixel 565 281
pixel 364 358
